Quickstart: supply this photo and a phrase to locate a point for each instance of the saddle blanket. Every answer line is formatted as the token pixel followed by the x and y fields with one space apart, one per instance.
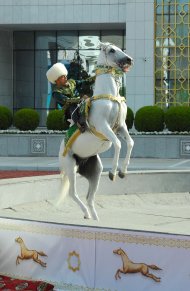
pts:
pixel 73 132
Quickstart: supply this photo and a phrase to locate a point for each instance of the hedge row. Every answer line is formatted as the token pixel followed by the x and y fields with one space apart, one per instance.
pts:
pixel 146 119
pixel 24 119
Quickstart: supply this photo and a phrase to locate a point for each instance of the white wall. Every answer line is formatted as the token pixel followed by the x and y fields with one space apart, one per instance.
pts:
pixel 61 11
pixel 140 45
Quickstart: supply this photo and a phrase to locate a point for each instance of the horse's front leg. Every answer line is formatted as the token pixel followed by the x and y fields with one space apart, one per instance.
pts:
pixel 18 260
pixel 108 132
pixel 117 274
pixel 124 134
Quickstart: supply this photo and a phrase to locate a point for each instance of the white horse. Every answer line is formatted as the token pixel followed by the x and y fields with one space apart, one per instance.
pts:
pixel 106 120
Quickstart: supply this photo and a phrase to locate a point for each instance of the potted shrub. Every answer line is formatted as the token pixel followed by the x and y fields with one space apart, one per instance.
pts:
pixel 26 119
pixel 130 118
pixel 56 120
pixel 149 118
pixel 178 118
pixel 6 117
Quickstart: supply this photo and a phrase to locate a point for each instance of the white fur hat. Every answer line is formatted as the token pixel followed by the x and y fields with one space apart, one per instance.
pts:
pixel 56 71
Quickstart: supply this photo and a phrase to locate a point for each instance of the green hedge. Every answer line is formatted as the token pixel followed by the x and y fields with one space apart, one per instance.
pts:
pixel 149 118
pixel 130 118
pixel 26 119
pixel 6 117
pixel 56 120
pixel 178 118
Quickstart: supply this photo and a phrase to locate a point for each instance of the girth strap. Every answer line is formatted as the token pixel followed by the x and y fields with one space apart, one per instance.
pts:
pixel 110 97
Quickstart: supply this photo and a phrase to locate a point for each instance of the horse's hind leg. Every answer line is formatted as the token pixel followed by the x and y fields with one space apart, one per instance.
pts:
pixel 39 262
pixel 157 279
pixel 70 168
pixel 92 170
pixel 108 132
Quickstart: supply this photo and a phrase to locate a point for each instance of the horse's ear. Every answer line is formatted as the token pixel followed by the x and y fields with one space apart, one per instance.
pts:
pixel 103 45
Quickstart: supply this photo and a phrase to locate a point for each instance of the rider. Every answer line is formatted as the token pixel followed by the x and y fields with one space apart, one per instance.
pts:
pixel 64 94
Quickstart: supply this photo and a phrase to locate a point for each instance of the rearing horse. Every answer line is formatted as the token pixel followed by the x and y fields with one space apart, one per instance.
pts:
pixel 106 120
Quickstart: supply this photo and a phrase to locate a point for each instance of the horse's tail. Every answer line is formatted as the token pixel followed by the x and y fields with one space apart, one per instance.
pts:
pixel 64 188
pixel 154 267
pixel 42 254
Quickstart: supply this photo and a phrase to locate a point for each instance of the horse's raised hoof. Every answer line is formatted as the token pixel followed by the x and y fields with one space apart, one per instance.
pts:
pixel 121 175
pixel 96 218
pixel 112 176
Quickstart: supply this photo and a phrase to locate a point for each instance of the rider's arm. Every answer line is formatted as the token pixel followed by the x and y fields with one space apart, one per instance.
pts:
pixel 60 98
pixel 63 99
pixel 89 80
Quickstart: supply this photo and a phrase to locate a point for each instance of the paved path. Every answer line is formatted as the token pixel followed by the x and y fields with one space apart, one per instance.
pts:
pixel 51 164
pixel 159 212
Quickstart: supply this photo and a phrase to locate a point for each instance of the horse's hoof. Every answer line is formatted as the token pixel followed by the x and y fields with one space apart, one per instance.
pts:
pixel 87 217
pixel 121 175
pixel 96 218
pixel 112 176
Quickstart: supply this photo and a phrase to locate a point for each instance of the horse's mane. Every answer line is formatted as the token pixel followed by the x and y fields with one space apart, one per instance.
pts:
pixel 104 45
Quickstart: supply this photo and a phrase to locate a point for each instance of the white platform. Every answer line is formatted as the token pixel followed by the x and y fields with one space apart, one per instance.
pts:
pixel 82 258
pixel 136 214
pixel 152 201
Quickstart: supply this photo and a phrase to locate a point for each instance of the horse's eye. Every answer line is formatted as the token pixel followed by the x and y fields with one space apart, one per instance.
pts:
pixel 112 51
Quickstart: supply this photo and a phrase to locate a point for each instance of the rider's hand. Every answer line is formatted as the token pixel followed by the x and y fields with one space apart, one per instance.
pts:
pixel 73 100
pixel 85 97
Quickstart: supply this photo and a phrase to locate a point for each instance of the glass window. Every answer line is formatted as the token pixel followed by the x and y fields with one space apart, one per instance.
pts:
pixel 36 52
pixel 89 59
pixel 67 39
pixel 66 56
pixel 23 40
pixel 42 86
pixel 113 36
pixel 46 40
pixel 23 79
pixel 89 39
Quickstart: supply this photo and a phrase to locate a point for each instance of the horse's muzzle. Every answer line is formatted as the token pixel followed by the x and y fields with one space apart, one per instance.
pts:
pixel 126 63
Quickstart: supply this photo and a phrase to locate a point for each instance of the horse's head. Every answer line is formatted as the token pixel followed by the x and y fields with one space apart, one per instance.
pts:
pixel 111 55
pixel 118 251
pixel 18 239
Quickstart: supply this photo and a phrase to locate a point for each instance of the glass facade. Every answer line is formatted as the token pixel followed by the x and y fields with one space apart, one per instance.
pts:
pixel 172 52
pixel 36 51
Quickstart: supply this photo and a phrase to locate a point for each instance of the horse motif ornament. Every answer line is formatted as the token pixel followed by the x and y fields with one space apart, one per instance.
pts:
pixel 130 267
pixel 106 121
pixel 27 254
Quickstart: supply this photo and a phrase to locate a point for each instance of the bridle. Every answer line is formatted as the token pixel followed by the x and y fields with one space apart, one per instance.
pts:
pixel 117 73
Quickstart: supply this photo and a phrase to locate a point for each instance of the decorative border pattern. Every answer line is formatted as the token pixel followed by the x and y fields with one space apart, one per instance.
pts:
pixel 105 236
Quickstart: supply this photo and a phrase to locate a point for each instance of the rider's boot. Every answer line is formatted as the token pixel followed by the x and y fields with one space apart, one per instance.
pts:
pixel 79 119
pixel 82 126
